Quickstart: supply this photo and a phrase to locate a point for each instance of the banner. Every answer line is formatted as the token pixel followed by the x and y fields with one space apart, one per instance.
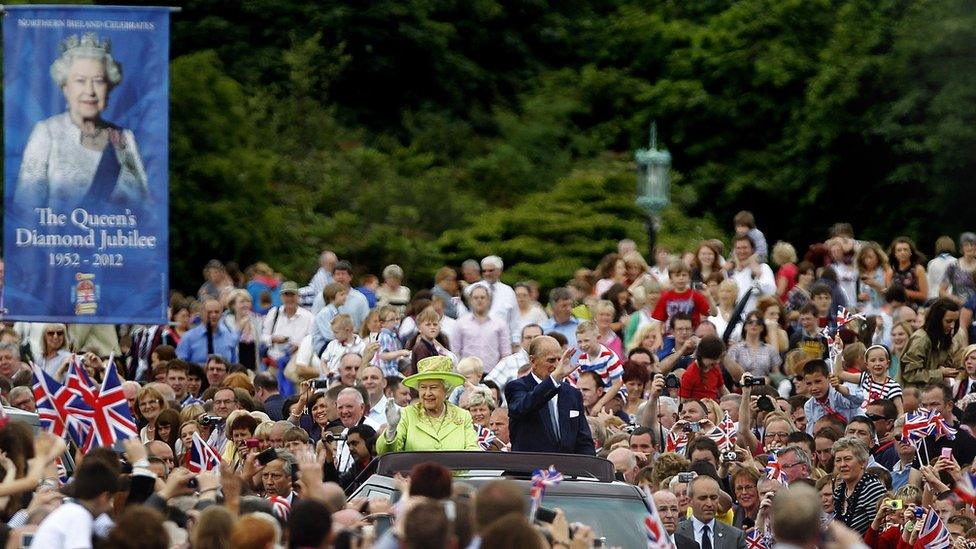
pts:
pixel 86 136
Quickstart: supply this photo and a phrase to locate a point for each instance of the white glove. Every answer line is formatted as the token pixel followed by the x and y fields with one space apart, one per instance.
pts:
pixel 392 419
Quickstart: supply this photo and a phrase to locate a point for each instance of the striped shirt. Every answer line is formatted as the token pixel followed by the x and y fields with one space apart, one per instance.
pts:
pixel 607 364
pixel 859 509
pixel 872 390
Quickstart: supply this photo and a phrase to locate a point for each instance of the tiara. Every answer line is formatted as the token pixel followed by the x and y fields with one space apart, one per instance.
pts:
pixel 88 41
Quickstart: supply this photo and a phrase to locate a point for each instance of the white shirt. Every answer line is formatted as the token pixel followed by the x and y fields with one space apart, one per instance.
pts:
pixel 935 272
pixel 766 285
pixel 70 526
pixel 277 323
pixel 377 414
pixel 507 368
pixel 699 530
pixel 342 456
pixel 335 350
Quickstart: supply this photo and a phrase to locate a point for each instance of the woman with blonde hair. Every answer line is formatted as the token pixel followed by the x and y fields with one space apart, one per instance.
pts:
pixel 54 349
pixel 649 334
pixel 240 318
pixel 646 295
pixel 603 312
pixel 965 382
pixel 728 293
pixel 872 272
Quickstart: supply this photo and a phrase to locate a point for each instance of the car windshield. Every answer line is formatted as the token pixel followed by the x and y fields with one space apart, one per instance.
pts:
pixel 620 521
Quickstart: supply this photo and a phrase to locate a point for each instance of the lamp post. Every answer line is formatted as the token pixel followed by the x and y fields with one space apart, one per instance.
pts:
pixel 653 186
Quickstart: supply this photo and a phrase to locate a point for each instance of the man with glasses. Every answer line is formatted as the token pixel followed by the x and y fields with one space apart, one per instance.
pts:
pixel 776 435
pixel 216 371
pixel 795 463
pixel 160 450
pixel 23 398
pixel 224 402
pixel 883 413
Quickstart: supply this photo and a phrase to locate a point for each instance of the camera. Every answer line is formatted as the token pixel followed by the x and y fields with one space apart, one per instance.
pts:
pixel 753 381
pixel 332 437
pixel 895 504
pixel 671 381
pixel 766 404
pixel 692 427
pixel 730 457
pixel 320 384
pixel 686 477
pixel 209 421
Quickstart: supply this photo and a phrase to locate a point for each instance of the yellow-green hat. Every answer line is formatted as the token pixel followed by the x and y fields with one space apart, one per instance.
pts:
pixel 435 367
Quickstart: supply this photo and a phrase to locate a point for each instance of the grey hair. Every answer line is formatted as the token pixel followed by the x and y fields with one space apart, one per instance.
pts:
pixel 559 294
pixel 20 389
pixel 668 403
pixel 61 65
pixel 288 459
pixel 854 445
pixel 481 395
pixel 354 392
pixel 14 349
pixel 801 455
pixel 471 264
pixel 493 260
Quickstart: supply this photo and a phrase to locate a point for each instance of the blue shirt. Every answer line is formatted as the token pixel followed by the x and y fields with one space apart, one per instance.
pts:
pixel 846 406
pixel 193 345
pixel 322 328
pixel 567 329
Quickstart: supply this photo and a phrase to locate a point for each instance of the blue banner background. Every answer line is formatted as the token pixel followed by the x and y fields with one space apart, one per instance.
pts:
pixel 39 284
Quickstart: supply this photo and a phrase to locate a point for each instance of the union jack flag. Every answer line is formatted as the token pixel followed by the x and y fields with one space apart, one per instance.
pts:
pixel 112 419
pixel 918 425
pixel 755 540
pixel 540 479
pixel 940 426
pixel 720 437
pixel 844 316
pixel 676 442
pixel 774 471
pixel 202 457
pixel 934 534
pixel 965 488
pixel 280 507
pixel 485 436
pixel 657 535
pixel 60 411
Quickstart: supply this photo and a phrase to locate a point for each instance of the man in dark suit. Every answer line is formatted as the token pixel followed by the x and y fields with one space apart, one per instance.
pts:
pixel 546 414
pixel 266 390
pixel 667 509
pixel 707 532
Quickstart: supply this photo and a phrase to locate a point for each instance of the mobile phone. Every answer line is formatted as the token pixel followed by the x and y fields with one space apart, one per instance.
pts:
pixel 545 515
pixel 686 477
pixel 251 443
pixel 947 454
pixel 382 523
pixel 267 456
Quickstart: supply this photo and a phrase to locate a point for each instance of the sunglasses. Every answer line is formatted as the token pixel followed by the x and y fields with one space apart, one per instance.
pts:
pixel 55 333
pixel 754 322
pixel 876 417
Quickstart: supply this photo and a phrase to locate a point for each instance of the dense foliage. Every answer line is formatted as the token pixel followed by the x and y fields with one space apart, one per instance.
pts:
pixel 428 131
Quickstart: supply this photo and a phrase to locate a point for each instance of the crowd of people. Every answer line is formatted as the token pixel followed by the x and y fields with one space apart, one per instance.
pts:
pixel 721 380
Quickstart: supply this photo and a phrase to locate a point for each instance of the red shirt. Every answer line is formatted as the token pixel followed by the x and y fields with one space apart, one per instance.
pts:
pixel 789 272
pixel 692 385
pixel 689 301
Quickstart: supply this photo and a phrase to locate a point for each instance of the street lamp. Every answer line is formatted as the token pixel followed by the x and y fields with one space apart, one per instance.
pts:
pixel 653 186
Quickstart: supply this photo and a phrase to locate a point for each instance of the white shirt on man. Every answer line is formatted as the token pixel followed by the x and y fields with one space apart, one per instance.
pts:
pixel 765 284
pixel 70 526
pixel 278 323
pixel 699 529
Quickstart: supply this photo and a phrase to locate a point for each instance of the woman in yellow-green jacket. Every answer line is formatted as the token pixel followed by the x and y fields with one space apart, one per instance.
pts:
pixel 433 423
